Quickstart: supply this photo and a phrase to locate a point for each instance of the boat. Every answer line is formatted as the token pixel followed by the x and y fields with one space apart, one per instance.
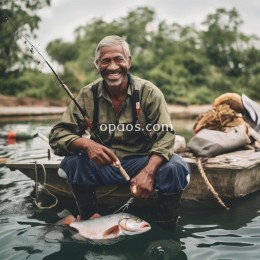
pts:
pixel 226 176
pixel 232 175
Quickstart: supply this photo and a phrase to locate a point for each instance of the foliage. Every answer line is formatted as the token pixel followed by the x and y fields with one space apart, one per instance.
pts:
pixel 16 16
pixel 190 66
pixel 30 79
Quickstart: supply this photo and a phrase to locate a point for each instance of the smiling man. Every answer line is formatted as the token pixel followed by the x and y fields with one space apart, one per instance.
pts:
pixel 122 107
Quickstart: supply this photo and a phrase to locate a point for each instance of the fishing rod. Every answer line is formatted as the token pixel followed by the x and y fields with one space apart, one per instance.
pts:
pixel 86 119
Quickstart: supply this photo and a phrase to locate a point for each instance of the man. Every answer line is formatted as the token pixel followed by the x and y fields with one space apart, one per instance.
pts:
pixel 130 116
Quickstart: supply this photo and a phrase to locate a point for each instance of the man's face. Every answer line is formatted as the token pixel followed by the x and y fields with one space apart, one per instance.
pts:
pixel 113 66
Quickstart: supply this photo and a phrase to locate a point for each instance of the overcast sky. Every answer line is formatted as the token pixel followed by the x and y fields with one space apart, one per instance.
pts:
pixel 64 16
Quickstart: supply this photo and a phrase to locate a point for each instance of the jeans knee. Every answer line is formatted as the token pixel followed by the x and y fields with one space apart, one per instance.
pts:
pixel 173 176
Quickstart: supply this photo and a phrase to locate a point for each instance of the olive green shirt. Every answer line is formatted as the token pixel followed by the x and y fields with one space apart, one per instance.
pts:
pixel 116 130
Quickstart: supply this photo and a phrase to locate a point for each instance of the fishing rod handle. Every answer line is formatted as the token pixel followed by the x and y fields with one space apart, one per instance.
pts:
pixel 118 165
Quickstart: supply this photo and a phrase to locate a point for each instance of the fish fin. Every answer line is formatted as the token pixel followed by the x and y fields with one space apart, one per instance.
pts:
pixel 66 221
pixel 113 231
pixel 63 214
pixel 67 218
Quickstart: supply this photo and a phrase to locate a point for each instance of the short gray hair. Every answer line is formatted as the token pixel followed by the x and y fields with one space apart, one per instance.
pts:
pixel 109 41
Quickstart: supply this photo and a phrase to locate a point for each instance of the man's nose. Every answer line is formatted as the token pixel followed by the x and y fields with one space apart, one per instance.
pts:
pixel 113 65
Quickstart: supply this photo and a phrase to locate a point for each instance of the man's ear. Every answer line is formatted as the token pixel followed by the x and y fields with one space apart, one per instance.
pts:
pixel 129 62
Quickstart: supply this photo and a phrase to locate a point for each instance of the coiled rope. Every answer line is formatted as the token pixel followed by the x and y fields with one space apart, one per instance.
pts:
pixel 36 200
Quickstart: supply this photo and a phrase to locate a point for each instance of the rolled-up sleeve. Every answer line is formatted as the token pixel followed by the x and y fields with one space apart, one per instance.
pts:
pixel 70 128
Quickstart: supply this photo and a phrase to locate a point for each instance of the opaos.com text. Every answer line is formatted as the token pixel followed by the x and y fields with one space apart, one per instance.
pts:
pixel 137 127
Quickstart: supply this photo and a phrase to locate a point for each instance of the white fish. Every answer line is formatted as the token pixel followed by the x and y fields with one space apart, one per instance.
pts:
pixel 106 230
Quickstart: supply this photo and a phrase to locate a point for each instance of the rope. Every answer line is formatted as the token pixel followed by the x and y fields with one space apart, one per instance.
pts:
pixel 36 200
pixel 55 188
pixel 218 118
pixel 208 184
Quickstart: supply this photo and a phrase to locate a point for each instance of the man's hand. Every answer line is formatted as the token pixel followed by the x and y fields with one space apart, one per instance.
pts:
pixel 95 151
pixel 142 185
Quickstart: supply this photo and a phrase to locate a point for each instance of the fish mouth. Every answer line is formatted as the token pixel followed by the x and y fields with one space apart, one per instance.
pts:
pixel 146 226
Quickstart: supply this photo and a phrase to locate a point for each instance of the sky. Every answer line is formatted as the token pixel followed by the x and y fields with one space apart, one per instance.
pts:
pixel 64 16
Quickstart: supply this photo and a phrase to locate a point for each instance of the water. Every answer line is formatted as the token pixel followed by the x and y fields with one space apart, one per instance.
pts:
pixel 207 231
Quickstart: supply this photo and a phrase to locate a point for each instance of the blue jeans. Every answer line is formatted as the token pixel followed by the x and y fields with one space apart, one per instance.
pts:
pixel 171 177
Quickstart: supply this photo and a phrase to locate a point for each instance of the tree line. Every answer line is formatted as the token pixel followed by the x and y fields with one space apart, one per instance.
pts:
pixel 189 65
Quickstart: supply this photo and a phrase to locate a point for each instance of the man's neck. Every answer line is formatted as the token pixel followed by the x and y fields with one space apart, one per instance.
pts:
pixel 117 92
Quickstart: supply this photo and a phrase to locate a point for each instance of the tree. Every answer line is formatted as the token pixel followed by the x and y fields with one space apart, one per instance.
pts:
pixel 16 16
pixel 232 53
pixel 190 66
pixel 224 44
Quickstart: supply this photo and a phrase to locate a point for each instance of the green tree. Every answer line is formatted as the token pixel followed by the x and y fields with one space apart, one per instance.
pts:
pixel 16 16
pixel 190 66
pixel 232 53
pixel 224 44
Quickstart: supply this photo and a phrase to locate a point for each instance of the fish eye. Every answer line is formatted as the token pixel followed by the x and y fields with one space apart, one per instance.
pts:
pixel 138 220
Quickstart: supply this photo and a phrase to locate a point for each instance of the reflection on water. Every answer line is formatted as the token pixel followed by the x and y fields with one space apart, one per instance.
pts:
pixel 207 231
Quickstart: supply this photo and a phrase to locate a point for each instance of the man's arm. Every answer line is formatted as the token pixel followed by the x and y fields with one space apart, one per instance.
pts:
pixel 162 134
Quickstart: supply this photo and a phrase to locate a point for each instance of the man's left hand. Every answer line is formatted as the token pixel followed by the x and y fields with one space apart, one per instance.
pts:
pixel 143 183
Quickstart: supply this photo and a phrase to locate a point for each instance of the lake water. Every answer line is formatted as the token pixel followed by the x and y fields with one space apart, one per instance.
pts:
pixel 206 230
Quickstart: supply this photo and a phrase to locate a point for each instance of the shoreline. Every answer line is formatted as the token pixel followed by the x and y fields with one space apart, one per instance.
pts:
pixel 18 111
pixel 176 111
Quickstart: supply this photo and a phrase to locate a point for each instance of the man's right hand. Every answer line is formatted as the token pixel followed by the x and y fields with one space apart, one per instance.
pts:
pixel 95 151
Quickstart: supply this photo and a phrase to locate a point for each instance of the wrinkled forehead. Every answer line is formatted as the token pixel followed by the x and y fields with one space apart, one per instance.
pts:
pixel 112 51
pixel 116 48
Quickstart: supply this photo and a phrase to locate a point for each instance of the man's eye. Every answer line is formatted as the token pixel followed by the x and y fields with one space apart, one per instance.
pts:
pixel 119 59
pixel 104 62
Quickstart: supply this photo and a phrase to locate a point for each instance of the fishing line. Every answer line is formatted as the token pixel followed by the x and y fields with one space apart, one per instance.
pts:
pixel 126 205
